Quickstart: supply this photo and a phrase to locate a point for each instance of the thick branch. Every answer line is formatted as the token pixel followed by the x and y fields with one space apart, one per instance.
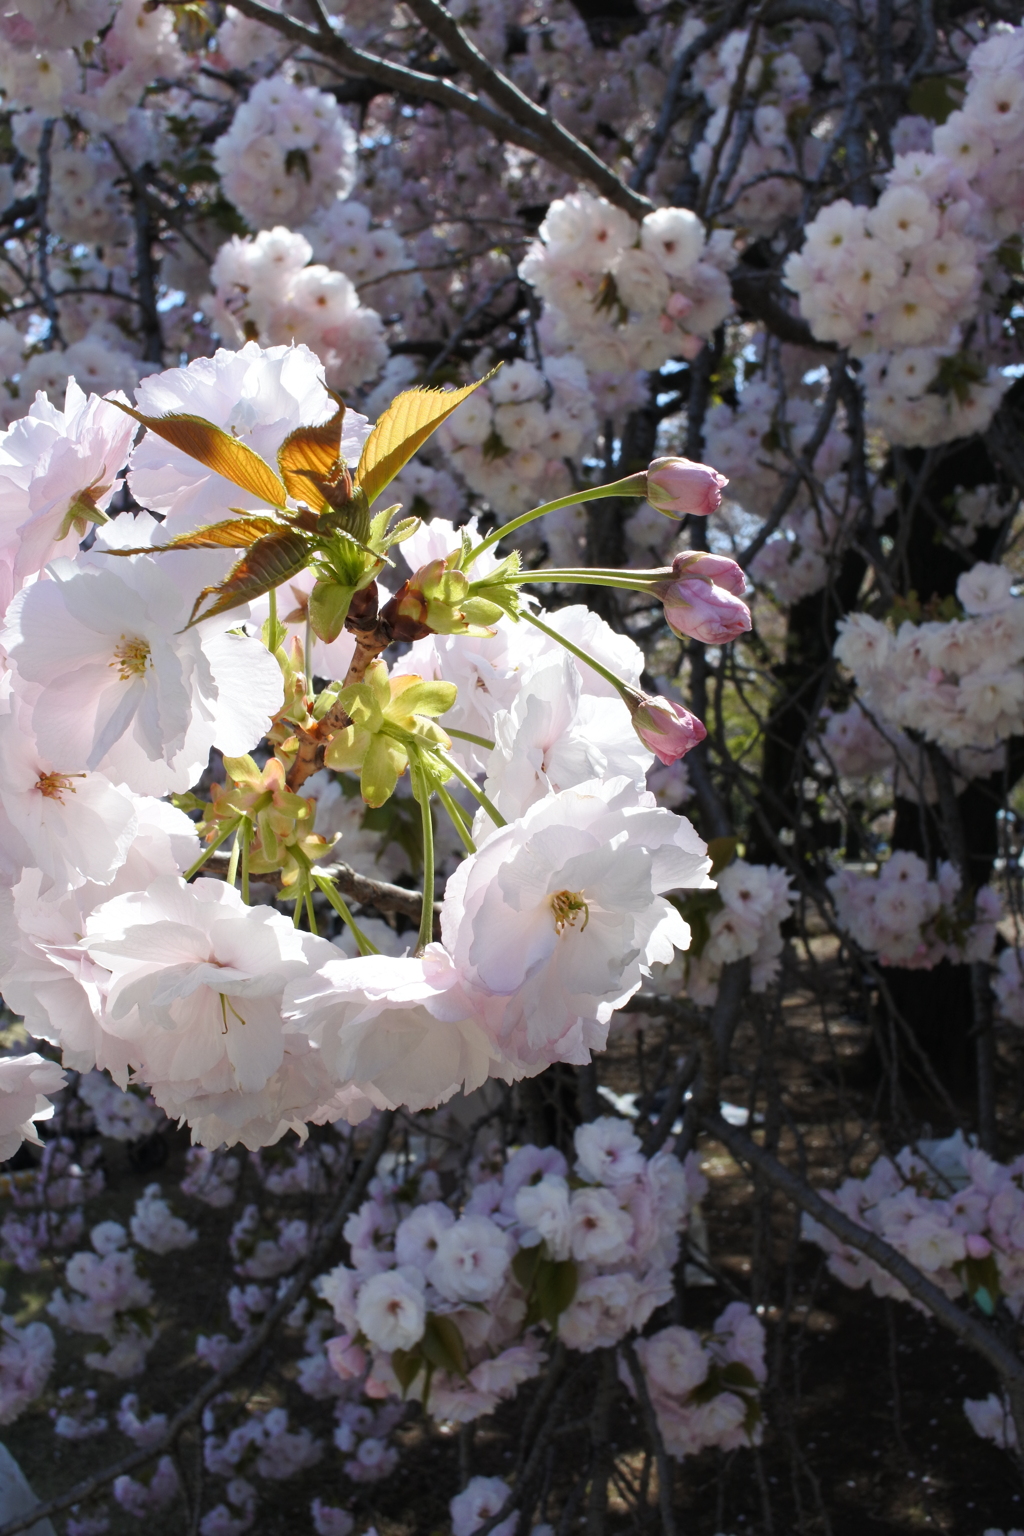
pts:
pixel 368 893
pixel 562 148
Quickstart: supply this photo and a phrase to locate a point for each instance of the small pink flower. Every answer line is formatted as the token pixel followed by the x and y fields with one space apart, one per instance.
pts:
pixel 678 487
pixel 667 728
pixel 978 1247
pixel 347 1359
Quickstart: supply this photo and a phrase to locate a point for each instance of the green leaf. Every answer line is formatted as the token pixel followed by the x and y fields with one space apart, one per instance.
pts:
pixel 739 1377
pixel 722 851
pixel 526 1264
pixel 217 450
pixel 557 1280
pixel 406 1364
pixel 328 609
pixel 403 429
pixel 267 564
pixel 442 1344
pixel 935 97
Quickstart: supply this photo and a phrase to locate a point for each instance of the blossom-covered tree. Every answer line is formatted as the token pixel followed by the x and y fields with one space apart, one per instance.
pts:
pixel 509 537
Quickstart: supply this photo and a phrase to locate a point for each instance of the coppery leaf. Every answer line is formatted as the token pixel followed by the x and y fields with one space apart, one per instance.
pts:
pixel 217 450
pixel 271 561
pixel 309 452
pixel 236 533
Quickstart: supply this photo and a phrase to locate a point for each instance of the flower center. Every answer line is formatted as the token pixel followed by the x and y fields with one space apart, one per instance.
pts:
pixel 131 658
pixel 54 785
pixel 567 906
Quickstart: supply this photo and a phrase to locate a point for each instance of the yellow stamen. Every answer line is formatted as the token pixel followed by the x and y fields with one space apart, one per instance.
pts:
pixel 131 657
pixel 54 785
pixel 567 906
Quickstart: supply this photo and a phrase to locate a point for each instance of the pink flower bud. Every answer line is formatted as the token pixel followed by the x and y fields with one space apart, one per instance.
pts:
pixel 665 727
pixel 347 1359
pixel 720 569
pixel 678 487
pixel 697 609
pixel 978 1247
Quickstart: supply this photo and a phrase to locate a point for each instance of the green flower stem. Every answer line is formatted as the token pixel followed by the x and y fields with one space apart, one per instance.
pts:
pixel 310 914
pixel 245 832
pixel 626 580
pixel 474 789
pixel 232 875
pixel 421 790
pixel 327 888
pixel 207 854
pixel 457 819
pixel 479 741
pixel 622 688
pixel 633 485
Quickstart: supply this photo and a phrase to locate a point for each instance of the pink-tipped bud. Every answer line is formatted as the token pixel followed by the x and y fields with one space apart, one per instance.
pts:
pixel 720 569
pixel 679 487
pixel 697 609
pixel 346 1359
pixel 667 728
pixel 978 1247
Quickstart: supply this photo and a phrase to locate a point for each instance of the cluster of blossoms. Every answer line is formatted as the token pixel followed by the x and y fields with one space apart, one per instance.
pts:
pixel 246 1024
pixel 957 682
pixel 751 147
pixel 622 296
pixel 266 289
pixel 288 153
pixel 907 919
pixel 742 918
pixel 511 439
pixel 454 1310
pixel 109 1297
pixel 47 1201
pixel 900 283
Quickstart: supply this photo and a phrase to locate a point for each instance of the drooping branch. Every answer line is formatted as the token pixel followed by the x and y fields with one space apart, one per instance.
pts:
pixel 979 1336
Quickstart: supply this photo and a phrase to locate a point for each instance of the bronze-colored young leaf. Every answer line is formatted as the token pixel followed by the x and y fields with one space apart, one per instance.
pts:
pixel 269 562
pixel 404 428
pixel 310 451
pixel 217 450
pixel 236 533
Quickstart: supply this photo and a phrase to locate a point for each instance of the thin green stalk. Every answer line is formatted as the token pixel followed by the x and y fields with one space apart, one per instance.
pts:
pixel 478 741
pixel 474 788
pixel 327 888
pixel 232 875
pixel 245 832
pixel 633 485
pixel 617 682
pixel 457 819
pixel 307 657
pixel 583 577
pixel 421 789
pixel 207 854
pixel 310 914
